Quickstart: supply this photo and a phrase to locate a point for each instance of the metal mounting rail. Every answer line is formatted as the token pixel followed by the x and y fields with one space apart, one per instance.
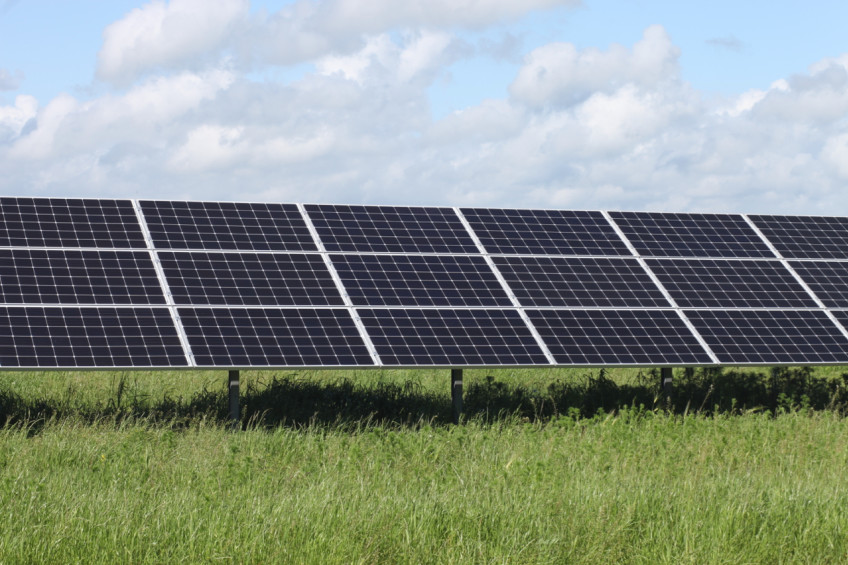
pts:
pixel 505 285
pixel 163 282
pixel 663 290
pixel 796 276
pixel 363 332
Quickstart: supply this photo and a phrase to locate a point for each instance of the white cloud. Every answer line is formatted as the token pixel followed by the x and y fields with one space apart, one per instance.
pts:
pixel 587 128
pixel 161 35
pixel 182 33
pixel 558 74
pixel 10 81
pixel 13 119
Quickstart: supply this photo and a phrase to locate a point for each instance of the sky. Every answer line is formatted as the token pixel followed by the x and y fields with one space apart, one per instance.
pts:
pixel 611 104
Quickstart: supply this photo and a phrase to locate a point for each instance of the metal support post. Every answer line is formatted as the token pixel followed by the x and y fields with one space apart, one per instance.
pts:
pixel 666 383
pixel 456 394
pixel 235 416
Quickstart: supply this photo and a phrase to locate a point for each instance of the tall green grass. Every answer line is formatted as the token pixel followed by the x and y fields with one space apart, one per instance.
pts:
pixel 143 468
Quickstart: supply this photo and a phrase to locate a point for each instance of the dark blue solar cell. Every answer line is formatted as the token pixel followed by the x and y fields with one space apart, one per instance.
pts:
pixel 274 337
pixel 544 232
pixel 690 235
pixel 390 229
pixel 88 337
pixel 771 336
pixel 806 237
pixel 227 225
pixel 580 281
pixel 710 283
pixel 244 279
pixel 69 276
pixel 64 222
pixel 419 280
pixel 458 338
pixel 827 279
pixel 618 337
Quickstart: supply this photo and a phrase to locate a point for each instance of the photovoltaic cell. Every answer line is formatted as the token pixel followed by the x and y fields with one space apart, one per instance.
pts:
pixel 690 235
pixel 249 279
pixel 806 237
pixel 544 232
pixel 227 225
pixel 442 337
pixel 827 279
pixel 390 229
pixel 716 283
pixel 273 337
pixel 579 282
pixel 88 337
pixel 771 336
pixel 419 280
pixel 68 276
pixel 618 337
pixel 63 222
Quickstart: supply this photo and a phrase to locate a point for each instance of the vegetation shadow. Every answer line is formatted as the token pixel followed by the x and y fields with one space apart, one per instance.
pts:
pixel 294 402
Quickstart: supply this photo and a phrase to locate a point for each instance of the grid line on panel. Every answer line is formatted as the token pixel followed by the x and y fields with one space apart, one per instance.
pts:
pixel 657 234
pixel 419 280
pixel 389 229
pixel 635 252
pixel 360 327
pixel 805 237
pixel 807 288
pixel 451 337
pixel 217 226
pixel 505 285
pixel 76 276
pixel 248 278
pixel 828 280
pixel 542 232
pixel 619 337
pixel 163 283
pixel 575 282
pixel 717 283
pixel 274 337
pixel 68 223
pixel 772 336
pixel 88 337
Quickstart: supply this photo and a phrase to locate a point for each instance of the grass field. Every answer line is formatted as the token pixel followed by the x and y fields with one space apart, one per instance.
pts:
pixel 549 467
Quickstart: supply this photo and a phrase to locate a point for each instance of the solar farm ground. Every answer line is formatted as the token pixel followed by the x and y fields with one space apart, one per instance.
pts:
pixel 551 466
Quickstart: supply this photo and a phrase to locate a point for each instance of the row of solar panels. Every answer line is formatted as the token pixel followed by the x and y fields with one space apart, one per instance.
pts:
pixel 112 283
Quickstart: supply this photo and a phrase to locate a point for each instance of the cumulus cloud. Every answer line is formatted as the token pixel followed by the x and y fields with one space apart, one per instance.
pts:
pixel 181 33
pixel 10 81
pixel 161 35
pixel 558 74
pixel 584 128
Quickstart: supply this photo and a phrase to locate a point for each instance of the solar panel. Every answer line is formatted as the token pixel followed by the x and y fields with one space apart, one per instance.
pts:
pixel 390 229
pixel 806 237
pixel 227 225
pixel 544 232
pixel 64 222
pixel 580 282
pixel 771 336
pixel 443 337
pixel 618 337
pixel 91 337
pixel 69 276
pixel 717 283
pixel 827 279
pixel 419 280
pixel 273 337
pixel 245 279
pixel 690 235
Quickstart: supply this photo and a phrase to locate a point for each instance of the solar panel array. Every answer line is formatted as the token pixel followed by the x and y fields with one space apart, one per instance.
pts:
pixel 88 283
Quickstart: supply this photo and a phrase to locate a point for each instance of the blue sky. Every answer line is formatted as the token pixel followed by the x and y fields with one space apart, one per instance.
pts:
pixel 699 106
